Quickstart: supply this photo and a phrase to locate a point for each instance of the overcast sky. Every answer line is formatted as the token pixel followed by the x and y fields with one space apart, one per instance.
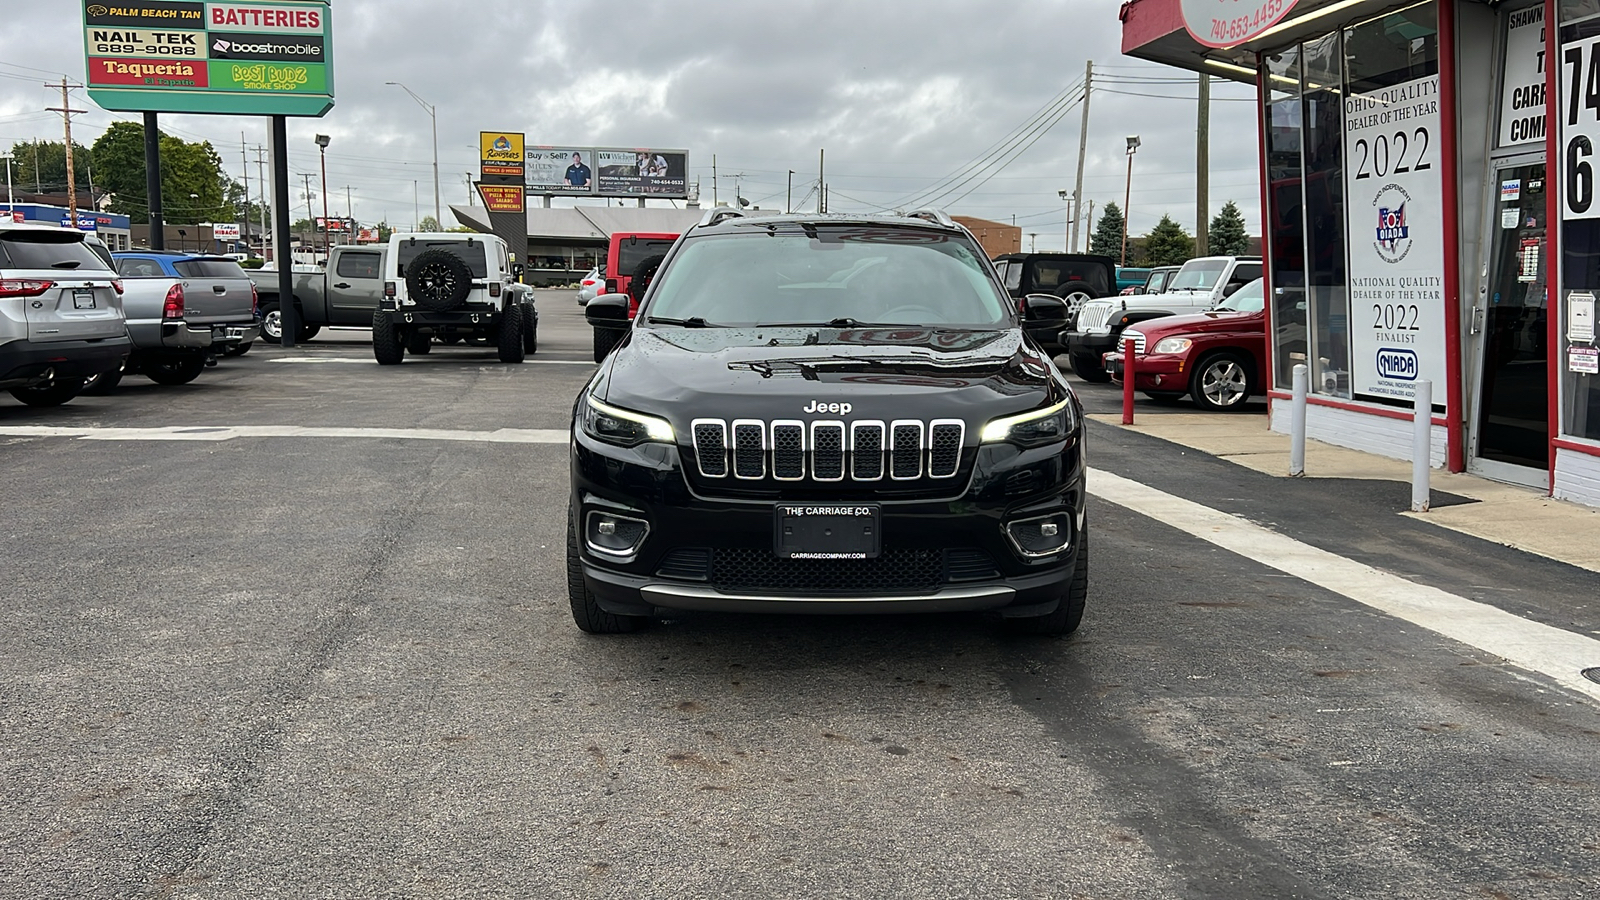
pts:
pixel 901 93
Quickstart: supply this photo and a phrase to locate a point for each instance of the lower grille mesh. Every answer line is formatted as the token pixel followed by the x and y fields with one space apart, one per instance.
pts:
pixel 895 571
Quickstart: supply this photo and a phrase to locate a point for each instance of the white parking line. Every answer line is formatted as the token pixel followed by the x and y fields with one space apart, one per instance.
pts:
pixel 356 360
pixel 229 432
pixel 1561 655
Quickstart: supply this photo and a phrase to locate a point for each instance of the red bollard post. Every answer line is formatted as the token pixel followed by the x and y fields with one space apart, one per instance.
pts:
pixel 1127 381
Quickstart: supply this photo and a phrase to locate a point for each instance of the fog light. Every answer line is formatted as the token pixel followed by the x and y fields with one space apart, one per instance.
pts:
pixel 615 536
pixel 1041 535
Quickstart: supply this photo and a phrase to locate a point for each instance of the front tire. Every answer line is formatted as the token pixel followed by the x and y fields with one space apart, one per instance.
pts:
pixel 530 330
pixel 1089 368
pixel 1069 612
pixel 387 347
pixel 175 371
pixel 586 611
pixel 1221 383
pixel 53 393
pixel 509 345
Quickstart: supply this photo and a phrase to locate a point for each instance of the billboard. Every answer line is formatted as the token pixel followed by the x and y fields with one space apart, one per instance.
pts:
pixel 560 170
pixel 225 231
pixel 270 57
pixel 641 173
pixel 500 153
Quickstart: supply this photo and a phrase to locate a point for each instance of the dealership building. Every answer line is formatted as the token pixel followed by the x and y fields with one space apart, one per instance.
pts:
pixel 1429 208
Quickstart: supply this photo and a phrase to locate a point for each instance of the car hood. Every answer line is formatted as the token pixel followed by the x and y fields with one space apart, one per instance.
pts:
pixel 784 373
pixel 1200 323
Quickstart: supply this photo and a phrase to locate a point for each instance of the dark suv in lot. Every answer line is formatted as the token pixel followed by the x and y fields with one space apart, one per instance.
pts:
pixel 827 414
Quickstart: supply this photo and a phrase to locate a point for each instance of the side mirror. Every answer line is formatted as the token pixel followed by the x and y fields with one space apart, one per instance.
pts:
pixel 1043 308
pixel 608 311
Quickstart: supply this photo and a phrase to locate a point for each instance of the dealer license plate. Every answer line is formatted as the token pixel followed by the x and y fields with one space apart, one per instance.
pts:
pixel 83 299
pixel 221 333
pixel 827 531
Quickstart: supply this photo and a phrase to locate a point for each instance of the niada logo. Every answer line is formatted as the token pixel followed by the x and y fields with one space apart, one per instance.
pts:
pixel 1393 234
pixel 1400 365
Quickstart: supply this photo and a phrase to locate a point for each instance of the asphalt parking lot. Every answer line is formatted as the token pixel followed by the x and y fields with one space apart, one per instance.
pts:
pixel 341 664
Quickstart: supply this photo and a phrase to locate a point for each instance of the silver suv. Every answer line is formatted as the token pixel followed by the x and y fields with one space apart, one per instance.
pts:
pixel 61 315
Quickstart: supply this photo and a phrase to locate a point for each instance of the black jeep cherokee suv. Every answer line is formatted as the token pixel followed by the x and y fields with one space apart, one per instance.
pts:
pixel 827 414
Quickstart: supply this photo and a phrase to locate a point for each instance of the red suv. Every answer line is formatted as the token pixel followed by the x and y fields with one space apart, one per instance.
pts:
pixel 1217 357
pixel 631 262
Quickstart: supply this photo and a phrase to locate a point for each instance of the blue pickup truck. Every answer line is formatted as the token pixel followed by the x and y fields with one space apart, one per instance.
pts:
pixel 183 312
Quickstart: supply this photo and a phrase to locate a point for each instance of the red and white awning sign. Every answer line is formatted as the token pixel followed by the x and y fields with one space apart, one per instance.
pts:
pixel 1228 23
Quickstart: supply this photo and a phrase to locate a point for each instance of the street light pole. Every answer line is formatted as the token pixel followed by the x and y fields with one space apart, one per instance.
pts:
pixel 434 115
pixel 1127 192
pixel 788 196
pixel 322 143
pixel 1066 240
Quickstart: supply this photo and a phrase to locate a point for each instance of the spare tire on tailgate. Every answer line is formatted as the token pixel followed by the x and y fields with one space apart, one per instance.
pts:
pixel 438 280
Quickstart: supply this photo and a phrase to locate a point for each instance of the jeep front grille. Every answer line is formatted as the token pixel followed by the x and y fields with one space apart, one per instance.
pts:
pixel 1094 317
pixel 904 450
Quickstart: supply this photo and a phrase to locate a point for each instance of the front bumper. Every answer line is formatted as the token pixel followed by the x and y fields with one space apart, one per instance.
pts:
pixel 24 363
pixel 961 538
pixel 1089 344
pixel 1152 373
pixel 466 318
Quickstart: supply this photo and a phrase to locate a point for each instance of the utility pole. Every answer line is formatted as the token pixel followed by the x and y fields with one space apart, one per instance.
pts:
pixel 1202 167
pixel 1083 148
pixel 244 214
pixel 822 200
pixel 1088 224
pixel 310 216
pixel 713 181
pixel 788 195
pixel 261 174
pixel 349 217
pixel 471 201
pixel 37 189
pixel 67 112
pixel 416 206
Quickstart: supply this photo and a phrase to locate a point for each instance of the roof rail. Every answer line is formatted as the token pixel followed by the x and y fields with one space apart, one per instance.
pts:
pixel 714 216
pixel 930 214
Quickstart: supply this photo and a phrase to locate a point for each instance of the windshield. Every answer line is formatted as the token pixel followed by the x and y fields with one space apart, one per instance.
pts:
pixel 209 268
pixel 844 275
pixel 1246 299
pixel 1198 275
pixel 47 250
pixel 630 253
pixel 472 254
pixel 1050 276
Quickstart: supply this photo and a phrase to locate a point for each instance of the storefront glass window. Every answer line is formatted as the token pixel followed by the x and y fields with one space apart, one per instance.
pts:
pixel 1326 288
pixel 1286 213
pixel 1580 244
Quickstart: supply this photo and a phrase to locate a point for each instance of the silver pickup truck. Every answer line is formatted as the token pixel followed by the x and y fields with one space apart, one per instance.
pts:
pixel 183 312
pixel 345 293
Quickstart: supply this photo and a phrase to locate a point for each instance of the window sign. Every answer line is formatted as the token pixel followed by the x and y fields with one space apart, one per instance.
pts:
pixel 1522 87
pixel 1395 233
pixel 1579 83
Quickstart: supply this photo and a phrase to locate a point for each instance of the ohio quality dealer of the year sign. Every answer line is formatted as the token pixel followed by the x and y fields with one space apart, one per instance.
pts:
pixel 273 57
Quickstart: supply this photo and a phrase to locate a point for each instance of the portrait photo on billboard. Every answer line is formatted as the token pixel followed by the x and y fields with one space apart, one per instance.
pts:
pixel 560 170
pixel 655 173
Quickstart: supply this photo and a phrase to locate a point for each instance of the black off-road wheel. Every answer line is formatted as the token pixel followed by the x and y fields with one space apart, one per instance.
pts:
pixel 419 344
pixel 387 346
pixel 586 611
pixel 509 343
pixel 1069 613
pixel 1089 369
pixel 175 370
pixel 52 393
pixel 102 384
pixel 530 329
pixel 605 340
pixel 438 280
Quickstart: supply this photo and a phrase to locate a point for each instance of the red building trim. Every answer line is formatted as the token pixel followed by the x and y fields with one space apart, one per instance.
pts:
pixel 1383 412
pixel 1263 94
pixel 1552 231
pixel 1455 456
pixel 1575 446
pixel 1145 21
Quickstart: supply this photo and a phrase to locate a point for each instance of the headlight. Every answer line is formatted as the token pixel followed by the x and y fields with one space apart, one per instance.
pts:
pixel 1030 429
pixel 1172 345
pixel 625 428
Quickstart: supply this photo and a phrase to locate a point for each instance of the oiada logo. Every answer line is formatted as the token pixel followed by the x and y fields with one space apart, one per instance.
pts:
pixel 1400 365
pixel 837 409
pixel 1393 234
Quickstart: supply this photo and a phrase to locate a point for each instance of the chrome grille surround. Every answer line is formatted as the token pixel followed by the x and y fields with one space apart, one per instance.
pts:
pixel 828 450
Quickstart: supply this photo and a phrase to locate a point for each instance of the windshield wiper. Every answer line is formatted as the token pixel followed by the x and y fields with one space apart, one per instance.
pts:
pixel 691 322
pixel 66 264
pixel 841 322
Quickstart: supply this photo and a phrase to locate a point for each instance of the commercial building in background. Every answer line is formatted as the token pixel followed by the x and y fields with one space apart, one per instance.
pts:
pixel 1428 203
pixel 995 237
pixel 112 228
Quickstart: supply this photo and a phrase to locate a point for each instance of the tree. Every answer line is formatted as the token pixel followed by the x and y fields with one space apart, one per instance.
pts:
pixel 1168 244
pixel 1107 237
pixel 186 169
pixel 1227 236
pixel 429 223
pixel 43 164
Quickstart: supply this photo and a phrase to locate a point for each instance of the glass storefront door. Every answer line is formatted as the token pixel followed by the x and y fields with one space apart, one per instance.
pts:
pixel 1510 437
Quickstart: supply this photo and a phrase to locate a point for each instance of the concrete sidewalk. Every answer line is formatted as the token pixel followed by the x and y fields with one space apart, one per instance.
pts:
pixel 1506 514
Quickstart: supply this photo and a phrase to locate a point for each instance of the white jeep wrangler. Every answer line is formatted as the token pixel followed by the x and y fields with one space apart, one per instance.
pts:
pixel 452 286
